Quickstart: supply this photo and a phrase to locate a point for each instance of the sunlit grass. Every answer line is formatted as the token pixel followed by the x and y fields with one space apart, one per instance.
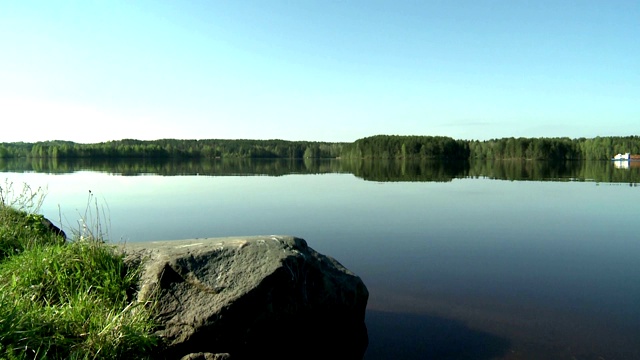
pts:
pixel 66 299
pixel 21 228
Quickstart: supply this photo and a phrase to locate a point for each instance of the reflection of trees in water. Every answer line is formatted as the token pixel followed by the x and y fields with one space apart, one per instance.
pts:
pixel 526 170
pixel 168 167
pixel 407 170
pixel 382 170
pixel 597 171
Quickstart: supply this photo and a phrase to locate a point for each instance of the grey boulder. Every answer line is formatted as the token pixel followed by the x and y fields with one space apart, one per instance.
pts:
pixel 251 297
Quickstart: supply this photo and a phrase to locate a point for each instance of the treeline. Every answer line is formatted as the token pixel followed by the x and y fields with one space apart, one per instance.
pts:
pixel 599 148
pixel 407 147
pixel 173 149
pixel 438 147
pixel 374 147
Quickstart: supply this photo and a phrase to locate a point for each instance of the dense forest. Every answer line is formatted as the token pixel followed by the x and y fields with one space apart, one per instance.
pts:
pixel 599 148
pixel 173 149
pixel 407 147
pixel 374 147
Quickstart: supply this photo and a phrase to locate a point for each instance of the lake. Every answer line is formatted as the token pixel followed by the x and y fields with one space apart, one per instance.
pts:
pixel 480 260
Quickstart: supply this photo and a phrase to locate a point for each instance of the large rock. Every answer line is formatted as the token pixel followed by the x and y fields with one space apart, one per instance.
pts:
pixel 252 297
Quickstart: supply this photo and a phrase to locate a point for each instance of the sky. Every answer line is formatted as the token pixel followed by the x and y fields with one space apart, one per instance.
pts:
pixel 328 70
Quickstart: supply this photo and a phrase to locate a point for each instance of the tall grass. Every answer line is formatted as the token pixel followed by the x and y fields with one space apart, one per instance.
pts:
pixel 21 228
pixel 65 299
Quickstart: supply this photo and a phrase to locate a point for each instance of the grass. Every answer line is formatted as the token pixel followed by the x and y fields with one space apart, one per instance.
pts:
pixel 65 299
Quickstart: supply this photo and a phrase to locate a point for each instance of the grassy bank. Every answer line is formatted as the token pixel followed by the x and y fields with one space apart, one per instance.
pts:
pixel 65 299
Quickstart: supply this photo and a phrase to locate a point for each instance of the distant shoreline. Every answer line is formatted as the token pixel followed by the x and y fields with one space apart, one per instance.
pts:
pixel 373 147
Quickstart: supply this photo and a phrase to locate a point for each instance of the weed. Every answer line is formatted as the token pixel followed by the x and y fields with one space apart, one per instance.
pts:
pixel 21 228
pixel 91 223
pixel 66 300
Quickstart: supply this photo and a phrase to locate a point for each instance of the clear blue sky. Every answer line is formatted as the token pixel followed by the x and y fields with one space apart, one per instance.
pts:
pixel 326 70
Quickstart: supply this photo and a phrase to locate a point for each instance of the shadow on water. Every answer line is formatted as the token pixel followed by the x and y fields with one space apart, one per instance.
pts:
pixel 412 336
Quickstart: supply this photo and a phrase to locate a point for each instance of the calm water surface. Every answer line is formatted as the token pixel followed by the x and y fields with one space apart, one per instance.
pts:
pixel 472 267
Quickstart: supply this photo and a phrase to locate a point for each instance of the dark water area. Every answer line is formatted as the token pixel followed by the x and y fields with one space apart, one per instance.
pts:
pixel 395 335
pixel 463 260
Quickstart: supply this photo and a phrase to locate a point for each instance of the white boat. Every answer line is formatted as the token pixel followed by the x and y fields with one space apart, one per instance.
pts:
pixel 622 157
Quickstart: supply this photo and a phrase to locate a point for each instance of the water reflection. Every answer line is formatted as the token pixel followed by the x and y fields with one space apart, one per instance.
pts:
pixel 132 167
pixel 387 170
